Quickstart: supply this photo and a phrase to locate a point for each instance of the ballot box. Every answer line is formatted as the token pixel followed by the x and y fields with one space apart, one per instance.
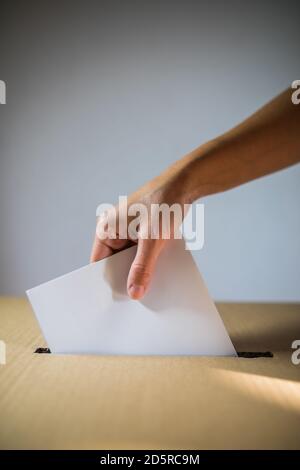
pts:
pixel 50 401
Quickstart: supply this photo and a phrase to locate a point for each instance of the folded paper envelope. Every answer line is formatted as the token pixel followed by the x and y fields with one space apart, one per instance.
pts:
pixel 88 310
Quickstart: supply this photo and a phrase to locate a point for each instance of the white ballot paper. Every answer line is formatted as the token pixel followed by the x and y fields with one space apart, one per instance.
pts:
pixel 88 310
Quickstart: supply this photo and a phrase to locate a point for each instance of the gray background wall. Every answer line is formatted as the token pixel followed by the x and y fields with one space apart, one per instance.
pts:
pixel 103 95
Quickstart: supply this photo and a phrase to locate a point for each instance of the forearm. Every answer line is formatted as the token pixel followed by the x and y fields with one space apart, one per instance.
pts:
pixel 266 142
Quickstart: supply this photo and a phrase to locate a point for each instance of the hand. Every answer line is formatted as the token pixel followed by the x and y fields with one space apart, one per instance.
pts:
pixel 165 189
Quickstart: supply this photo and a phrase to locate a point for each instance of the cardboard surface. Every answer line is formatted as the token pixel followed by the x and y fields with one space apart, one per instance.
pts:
pixel 88 310
pixel 97 402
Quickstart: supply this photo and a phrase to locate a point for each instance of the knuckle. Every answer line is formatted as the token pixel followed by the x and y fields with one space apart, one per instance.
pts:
pixel 141 271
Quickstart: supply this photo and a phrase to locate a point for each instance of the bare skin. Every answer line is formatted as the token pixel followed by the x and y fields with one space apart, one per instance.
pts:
pixel 266 142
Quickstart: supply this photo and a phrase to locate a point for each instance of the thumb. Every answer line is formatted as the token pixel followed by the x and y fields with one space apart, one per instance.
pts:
pixel 142 268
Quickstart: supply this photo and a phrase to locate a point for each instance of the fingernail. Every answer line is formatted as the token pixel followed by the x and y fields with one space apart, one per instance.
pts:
pixel 136 291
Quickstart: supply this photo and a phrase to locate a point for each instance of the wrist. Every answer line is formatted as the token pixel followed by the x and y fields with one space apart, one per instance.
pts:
pixel 193 172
